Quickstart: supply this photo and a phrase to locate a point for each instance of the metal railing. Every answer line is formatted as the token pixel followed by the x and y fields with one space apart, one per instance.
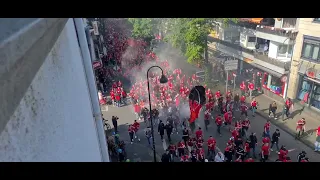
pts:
pixel 260 56
pixel 277 31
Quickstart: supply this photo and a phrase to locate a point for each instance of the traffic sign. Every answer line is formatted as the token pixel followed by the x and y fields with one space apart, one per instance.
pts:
pixel 230 65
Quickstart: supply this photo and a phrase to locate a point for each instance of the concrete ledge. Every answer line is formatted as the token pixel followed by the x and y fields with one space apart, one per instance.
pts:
pixel 21 55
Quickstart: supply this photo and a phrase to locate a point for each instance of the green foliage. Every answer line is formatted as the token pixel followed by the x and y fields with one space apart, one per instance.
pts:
pixel 190 35
pixel 142 27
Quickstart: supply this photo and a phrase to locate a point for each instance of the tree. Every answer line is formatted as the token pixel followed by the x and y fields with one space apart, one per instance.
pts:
pixel 142 28
pixel 190 35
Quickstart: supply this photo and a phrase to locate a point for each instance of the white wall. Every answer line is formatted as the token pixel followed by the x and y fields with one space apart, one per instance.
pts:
pixel 278 24
pixel 273 49
pixel 54 120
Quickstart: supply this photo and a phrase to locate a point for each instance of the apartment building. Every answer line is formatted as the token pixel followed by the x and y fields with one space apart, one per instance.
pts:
pixel 304 76
pixel 263 47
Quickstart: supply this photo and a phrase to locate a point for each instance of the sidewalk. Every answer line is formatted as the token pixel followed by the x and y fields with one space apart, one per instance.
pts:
pixel 287 124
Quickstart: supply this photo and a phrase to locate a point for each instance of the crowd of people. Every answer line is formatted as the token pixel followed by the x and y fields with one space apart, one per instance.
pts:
pixel 170 110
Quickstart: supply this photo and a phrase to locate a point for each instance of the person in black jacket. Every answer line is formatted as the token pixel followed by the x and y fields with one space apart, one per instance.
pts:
pixel 166 156
pixel 185 135
pixel 275 139
pixel 253 143
pixel 240 152
pixel 169 129
pixel 161 128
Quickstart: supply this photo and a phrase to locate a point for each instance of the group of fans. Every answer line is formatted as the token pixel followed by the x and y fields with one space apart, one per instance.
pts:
pixel 169 102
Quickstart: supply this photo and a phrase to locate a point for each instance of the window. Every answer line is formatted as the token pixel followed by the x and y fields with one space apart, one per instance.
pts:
pixel 251 39
pixel 310 49
pixel 282 49
pixel 289 22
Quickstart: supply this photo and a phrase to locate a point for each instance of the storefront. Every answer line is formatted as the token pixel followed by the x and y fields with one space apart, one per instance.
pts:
pixel 263 78
pixel 309 86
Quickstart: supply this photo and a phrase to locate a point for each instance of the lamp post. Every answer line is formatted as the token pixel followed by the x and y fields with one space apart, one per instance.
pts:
pixel 163 80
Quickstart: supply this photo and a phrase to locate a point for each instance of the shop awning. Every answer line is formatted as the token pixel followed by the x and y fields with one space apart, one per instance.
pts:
pixel 253 20
pixel 274 73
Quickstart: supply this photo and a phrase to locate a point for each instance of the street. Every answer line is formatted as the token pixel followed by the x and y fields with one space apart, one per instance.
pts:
pixel 142 152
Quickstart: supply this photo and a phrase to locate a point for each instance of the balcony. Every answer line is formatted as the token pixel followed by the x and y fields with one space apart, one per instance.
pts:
pixel 246 53
pixel 276 32
pixel 276 62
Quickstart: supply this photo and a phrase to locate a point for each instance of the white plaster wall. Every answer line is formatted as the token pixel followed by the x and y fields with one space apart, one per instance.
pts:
pixel 273 49
pixel 54 120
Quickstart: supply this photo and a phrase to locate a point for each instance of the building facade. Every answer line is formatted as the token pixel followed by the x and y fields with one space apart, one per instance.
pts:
pixel 263 47
pixel 304 84
pixel 47 112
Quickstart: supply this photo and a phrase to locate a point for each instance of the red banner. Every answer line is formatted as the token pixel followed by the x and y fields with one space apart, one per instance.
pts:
pixel 194 110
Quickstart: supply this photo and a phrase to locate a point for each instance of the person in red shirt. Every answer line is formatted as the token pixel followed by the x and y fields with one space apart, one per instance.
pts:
pixel 218 123
pixel 317 143
pixel 136 127
pixel 283 153
pixel 118 99
pixel 245 127
pixel 112 98
pixel 265 140
pixel 137 110
pixel 300 127
pixel 247 148
pixel 123 96
pixel 200 142
pixel 184 158
pixel 242 99
pixel 131 133
pixel 244 109
pixel 181 147
pixel 191 143
pixel 266 128
pixel 172 151
pixel 207 115
pixel 199 133
pixel 211 148
pixel 200 154
pixel 265 151
pixel 234 133
pixel 218 94
pixel 243 88
pixel 254 105
pixel 226 118
pixel 251 88
pixel 288 105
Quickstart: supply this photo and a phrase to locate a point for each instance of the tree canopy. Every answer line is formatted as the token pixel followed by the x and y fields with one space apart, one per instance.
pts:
pixel 142 27
pixel 189 35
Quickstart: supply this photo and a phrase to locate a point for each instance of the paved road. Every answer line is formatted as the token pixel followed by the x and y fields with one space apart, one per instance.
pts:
pixel 140 151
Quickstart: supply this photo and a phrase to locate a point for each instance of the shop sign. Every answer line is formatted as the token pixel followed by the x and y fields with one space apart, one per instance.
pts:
pixel 284 78
pixel 96 65
pixel 311 73
pixel 230 65
pixel 247 60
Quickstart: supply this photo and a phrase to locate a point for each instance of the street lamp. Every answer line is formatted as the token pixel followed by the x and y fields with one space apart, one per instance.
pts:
pixel 163 80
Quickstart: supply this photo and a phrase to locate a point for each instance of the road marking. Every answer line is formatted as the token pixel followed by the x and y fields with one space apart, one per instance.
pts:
pixel 290 150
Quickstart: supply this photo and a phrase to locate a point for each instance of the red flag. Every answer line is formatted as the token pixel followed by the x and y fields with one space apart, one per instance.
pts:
pixel 194 110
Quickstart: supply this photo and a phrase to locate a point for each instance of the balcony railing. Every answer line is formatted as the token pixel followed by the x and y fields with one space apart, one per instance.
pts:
pixel 277 31
pixel 258 55
pixel 276 62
